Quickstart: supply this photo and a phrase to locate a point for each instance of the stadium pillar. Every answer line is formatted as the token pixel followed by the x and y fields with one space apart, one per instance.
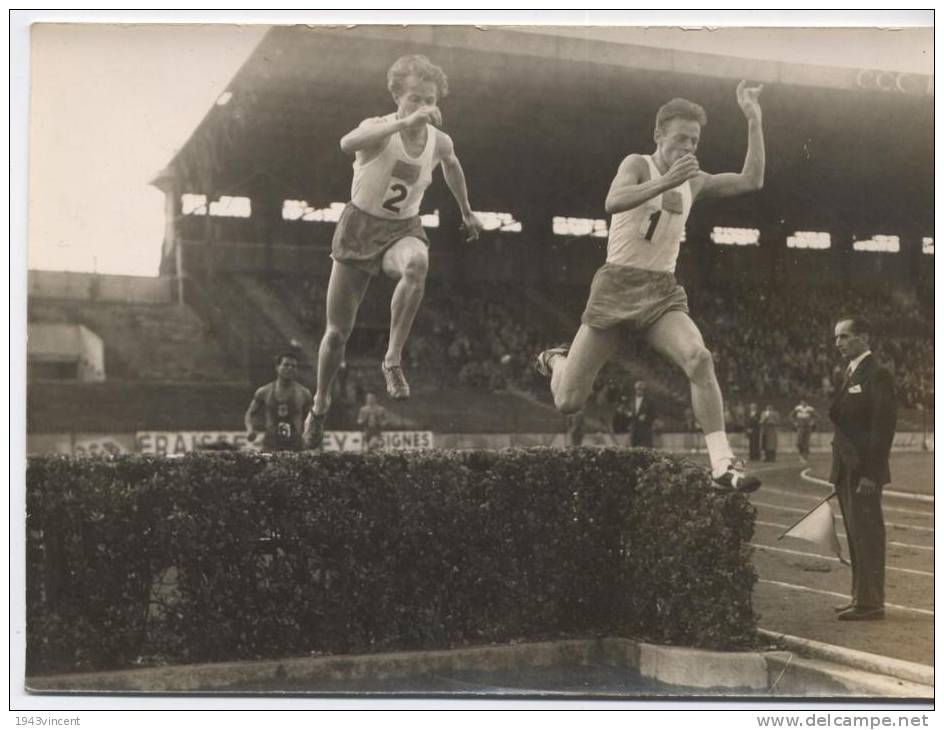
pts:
pixel 703 253
pixel 179 264
pixel 172 261
pixel 842 253
pixel 773 251
pixel 536 237
pixel 911 250
pixel 172 213
pixel 167 184
pixel 209 230
pixel 267 212
pixel 449 239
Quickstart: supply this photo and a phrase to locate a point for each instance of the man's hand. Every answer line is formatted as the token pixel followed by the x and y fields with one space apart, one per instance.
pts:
pixel 472 226
pixel 684 168
pixel 747 100
pixel 423 116
pixel 866 488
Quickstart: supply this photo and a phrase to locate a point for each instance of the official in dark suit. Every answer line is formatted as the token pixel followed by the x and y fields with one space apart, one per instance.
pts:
pixel 641 416
pixel 863 412
pixel 753 432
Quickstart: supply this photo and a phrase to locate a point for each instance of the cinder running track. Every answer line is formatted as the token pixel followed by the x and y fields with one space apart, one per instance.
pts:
pixel 799 583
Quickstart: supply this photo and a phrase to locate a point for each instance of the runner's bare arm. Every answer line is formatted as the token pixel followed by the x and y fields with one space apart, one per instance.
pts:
pixel 252 413
pixel 628 192
pixel 370 136
pixel 751 177
pixel 308 400
pixel 455 179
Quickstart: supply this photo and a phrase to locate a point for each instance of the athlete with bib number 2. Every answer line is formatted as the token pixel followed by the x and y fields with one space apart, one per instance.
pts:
pixel 635 290
pixel 380 229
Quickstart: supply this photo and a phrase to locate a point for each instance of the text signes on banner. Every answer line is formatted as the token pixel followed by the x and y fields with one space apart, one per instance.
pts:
pixel 180 442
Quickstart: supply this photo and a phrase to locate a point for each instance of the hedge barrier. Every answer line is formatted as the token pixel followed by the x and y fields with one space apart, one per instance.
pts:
pixel 141 560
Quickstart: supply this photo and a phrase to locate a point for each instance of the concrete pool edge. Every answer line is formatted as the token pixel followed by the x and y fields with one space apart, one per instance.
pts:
pixel 759 674
pixel 913 672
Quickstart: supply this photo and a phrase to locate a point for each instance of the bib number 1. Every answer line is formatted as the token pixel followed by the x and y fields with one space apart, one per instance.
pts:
pixel 399 194
pixel 653 222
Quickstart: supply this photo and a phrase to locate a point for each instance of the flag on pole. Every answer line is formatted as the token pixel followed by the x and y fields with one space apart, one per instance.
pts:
pixel 818 526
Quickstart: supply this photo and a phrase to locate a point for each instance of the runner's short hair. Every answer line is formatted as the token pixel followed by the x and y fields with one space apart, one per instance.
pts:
pixel 420 67
pixel 284 354
pixel 678 108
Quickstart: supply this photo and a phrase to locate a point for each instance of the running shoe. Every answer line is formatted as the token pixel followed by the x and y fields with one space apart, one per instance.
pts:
pixel 397 387
pixel 313 433
pixel 543 362
pixel 735 479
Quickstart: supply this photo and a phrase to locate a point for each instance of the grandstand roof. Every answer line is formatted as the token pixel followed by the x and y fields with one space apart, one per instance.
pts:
pixel 542 122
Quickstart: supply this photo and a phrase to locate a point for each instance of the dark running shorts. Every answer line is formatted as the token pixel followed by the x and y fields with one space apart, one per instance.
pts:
pixel 632 298
pixel 361 239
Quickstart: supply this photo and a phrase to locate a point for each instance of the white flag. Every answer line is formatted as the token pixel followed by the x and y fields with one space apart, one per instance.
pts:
pixel 818 526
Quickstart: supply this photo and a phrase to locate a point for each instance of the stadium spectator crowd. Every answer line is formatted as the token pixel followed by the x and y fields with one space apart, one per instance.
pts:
pixel 485 337
pixel 762 346
pixel 759 338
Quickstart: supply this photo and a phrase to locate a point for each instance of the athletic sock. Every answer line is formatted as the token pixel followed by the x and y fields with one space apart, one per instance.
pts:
pixel 719 452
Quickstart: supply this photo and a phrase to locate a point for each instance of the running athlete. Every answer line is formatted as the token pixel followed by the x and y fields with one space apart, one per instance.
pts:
pixel 281 404
pixel 372 417
pixel 650 199
pixel 380 229
pixel 803 418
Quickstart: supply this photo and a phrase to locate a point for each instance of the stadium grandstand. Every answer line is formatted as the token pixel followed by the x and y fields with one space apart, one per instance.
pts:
pixel 844 223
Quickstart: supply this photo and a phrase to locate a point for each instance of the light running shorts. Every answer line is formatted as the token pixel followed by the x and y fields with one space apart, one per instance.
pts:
pixel 361 239
pixel 632 298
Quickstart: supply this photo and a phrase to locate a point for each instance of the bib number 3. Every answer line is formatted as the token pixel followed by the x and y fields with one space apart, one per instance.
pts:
pixel 393 202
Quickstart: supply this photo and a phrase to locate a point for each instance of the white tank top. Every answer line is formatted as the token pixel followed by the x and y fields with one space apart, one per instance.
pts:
pixel 648 236
pixel 392 184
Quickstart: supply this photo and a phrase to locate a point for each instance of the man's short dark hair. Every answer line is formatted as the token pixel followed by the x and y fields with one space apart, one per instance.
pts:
pixel 678 108
pixel 859 325
pixel 286 354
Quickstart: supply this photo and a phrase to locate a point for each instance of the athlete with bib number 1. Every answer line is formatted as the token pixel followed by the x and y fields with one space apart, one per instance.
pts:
pixel 380 229
pixel 636 291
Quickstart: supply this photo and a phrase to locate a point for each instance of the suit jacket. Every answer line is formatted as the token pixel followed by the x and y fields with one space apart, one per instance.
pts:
pixel 753 424
pixel 770 429
pixel 864 413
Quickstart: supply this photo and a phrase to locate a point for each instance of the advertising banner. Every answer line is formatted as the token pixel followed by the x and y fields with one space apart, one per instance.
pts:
pixel 181 442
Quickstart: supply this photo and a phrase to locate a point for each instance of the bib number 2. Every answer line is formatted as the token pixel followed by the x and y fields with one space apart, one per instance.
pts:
pixel 393 202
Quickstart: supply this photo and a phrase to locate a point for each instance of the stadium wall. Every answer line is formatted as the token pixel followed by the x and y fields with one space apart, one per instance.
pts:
pixel 99 287
pixel 67 343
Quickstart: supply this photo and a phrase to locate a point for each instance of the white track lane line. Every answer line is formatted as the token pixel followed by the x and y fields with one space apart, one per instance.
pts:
pixel 814 497
pixel 784 526
pixel 800 511
pixel 805 474
pixel 771 548
pixel 895 606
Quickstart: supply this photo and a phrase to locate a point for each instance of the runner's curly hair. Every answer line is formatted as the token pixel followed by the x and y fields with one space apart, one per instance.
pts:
pixel 420 67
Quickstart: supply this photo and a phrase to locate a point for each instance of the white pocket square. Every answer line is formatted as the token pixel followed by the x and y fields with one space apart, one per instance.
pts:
pixel 855 389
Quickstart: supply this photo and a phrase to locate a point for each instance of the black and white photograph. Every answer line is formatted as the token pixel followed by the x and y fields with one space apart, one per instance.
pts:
pixel 585 362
